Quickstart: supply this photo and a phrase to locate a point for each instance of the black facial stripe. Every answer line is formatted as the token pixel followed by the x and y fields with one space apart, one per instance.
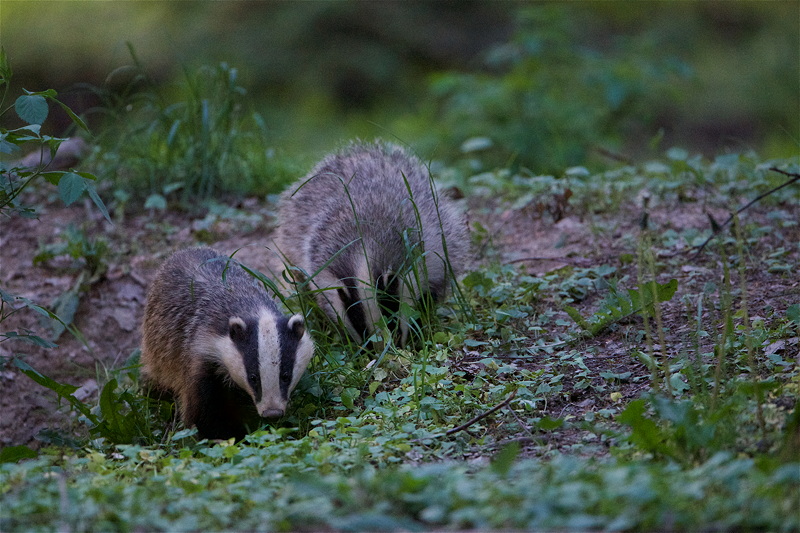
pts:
pixel 289 343
pixel 354 309
pixel 248 347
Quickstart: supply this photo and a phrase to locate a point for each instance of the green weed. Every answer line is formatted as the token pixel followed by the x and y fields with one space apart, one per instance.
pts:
pixel 196 145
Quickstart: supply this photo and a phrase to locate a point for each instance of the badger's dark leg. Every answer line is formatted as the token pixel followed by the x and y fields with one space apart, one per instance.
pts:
pixel 217 409
pixel 389 300
pixel 354 309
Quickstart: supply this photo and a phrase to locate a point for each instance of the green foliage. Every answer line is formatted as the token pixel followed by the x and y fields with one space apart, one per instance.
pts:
pixel 546 98
pixel 193 145
pixel 121 417
pixel 274 482
pixel 32 109
pixel 376 438
pixel 618 306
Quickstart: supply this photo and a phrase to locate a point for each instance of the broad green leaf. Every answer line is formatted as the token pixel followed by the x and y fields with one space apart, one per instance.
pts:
pixel 476 144
pixel 549 424
pixel 113 423
pixel 71 187
pixel 502 462
pixel 53 177
pixel 645 432
pixel 64 308
pixel 793 313
pixel 155 201
pixel 7 147
pixel 184 433
pixel 13 454
pixel 31 108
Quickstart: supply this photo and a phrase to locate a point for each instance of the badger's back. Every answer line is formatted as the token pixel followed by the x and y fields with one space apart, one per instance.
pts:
pixel 372 191
pixel 376 201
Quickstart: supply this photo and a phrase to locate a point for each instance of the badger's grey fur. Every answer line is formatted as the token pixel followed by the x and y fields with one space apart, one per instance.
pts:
pixel 369 229
pixel 217 342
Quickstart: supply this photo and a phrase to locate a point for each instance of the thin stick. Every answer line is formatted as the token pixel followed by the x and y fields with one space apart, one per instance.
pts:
pixel 576 261
pixel 481 416
pixel 795 177
pixel 473 420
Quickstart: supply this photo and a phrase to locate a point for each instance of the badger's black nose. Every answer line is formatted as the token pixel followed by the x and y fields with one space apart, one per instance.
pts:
pixel 271 413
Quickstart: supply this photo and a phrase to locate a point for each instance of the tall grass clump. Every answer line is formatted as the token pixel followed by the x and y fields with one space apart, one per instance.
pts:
pixel 192 143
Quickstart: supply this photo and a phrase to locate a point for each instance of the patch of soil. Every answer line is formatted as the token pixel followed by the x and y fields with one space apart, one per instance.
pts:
pixel 110 312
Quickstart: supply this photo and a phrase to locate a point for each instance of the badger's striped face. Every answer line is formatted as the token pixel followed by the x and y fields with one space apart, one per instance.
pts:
pixel 267 359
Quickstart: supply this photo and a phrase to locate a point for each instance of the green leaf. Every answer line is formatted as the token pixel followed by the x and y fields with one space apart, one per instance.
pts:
pixel 575 315
pixel 184 433
pixel 64 308
pixel 31 108
pixel 53 177
pixel 13 454
pixel 113 423
pixel 62 389
pixel 7 147
pixel 793 313
pixel 75 118
pixel 5 67
pixel 155 201
pixel 31 339
pixel 549 424
pixel 348 396
pixel 71 187
pixel 97 200
pixel 59 388
pixel 502 462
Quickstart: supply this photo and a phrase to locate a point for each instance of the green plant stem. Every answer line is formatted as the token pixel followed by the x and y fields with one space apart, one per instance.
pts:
pixel 727 330
pixel 748 339
pixel 645 247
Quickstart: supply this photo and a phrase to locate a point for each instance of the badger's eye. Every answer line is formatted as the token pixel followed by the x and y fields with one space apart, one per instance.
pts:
pixel 252 376
pixel 286 377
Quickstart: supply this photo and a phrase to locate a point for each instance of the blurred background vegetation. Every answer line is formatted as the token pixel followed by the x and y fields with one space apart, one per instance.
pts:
pixel 262 89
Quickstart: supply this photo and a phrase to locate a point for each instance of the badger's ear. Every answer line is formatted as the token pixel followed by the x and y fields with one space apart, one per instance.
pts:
pixel 236 328
pixel 297 325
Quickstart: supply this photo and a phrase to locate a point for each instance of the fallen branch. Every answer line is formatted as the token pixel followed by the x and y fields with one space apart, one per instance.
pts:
pixel 716 230
pixel 578 261
pixel 473 420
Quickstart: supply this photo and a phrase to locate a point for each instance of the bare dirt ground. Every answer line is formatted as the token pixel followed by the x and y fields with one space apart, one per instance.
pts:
pixel 110 312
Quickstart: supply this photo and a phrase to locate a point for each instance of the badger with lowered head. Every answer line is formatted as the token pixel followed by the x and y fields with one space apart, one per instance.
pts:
pixel 217 342
pixel 371 231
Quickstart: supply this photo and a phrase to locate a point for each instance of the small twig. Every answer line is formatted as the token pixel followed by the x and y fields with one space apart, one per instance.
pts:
pixel 576 261
pixel 481 416
pixel 795 177
pixel 471 421
pixel 525 428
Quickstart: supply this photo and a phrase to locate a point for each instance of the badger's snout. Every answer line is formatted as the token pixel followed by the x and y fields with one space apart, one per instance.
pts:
pixel 272 413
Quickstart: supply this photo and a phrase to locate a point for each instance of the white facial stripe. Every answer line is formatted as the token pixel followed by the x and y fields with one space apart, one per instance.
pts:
pixel 269 352
pixel 223 350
